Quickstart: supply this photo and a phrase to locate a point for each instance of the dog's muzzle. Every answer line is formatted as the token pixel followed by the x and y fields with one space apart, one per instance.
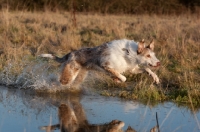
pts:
pixel 157 64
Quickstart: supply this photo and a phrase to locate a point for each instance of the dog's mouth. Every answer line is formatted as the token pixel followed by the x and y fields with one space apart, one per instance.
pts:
pixel 157 65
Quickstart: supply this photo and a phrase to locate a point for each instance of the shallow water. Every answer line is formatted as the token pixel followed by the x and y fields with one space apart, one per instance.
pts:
pixel 23 111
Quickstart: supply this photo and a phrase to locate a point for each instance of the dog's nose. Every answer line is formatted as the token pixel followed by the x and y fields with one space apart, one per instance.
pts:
pixel 158 63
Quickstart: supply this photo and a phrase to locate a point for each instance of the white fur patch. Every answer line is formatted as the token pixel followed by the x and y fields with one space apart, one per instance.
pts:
pixel 47 56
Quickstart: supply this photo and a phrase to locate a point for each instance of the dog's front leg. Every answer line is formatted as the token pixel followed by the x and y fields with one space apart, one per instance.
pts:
pixel 137 70
pixel 115 73
pixel 154 76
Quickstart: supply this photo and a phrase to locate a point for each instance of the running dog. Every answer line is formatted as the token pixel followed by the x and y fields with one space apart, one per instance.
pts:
pixel 115 57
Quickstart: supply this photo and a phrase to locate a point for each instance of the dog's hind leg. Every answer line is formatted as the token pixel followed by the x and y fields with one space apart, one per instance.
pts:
pixel 115 73
pixel 69 72
pixel 80 77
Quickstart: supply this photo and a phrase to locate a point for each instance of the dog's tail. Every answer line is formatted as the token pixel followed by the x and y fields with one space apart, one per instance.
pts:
pixel 57 59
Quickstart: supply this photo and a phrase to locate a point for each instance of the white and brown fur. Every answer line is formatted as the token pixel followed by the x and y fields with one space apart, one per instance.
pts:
pixel 115 57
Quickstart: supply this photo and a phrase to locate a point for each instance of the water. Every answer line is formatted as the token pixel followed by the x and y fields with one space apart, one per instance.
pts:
pixel 24 111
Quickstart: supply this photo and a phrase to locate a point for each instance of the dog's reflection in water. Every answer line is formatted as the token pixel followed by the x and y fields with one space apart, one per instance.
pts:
pixel 72 119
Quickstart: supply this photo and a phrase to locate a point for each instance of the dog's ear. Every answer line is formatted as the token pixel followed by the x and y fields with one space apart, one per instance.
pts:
pixel 140 47
pixel 126 50
pixel 151 45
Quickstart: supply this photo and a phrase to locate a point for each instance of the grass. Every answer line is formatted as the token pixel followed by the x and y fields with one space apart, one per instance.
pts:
pixel 24 35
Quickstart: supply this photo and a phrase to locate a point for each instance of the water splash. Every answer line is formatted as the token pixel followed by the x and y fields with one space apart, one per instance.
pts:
pixel 42 75
pixel 35 75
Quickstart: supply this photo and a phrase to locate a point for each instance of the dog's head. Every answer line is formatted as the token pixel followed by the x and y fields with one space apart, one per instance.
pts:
pixel 146 55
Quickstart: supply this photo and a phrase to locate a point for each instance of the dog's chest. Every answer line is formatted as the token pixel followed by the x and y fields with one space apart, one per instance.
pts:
pixel 121 64
pixel 119 59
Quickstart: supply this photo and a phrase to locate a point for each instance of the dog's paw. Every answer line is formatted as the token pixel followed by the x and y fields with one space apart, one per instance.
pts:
pixel 122 78
pixel 117 80
pixel 155 78
pixel 157 82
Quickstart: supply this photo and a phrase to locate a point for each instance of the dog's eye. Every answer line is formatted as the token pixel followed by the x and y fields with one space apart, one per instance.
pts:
pixel 148 56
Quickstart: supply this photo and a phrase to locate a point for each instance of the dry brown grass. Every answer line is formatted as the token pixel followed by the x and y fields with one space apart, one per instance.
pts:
pixel 24 35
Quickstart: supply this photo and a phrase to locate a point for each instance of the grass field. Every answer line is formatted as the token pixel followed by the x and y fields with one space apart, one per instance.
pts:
pixel 24 35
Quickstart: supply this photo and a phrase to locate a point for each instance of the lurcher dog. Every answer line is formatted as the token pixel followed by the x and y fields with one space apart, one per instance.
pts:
pixel 115 57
